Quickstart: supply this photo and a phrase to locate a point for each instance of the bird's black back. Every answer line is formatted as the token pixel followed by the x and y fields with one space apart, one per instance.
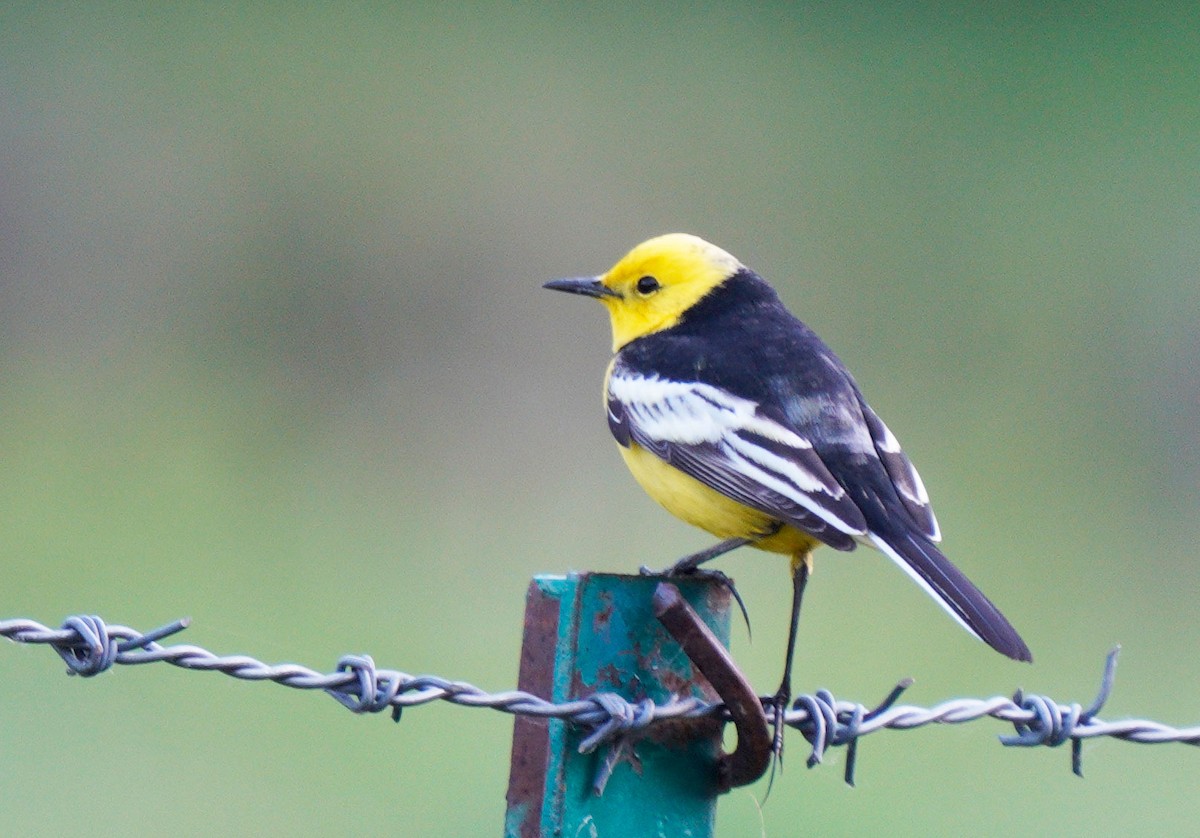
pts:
pixel 742 339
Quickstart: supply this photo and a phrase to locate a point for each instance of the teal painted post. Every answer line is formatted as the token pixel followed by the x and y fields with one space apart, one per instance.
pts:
pixel 589 633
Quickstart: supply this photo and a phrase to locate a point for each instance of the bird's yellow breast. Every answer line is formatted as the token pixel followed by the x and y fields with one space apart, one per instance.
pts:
pixel 688 499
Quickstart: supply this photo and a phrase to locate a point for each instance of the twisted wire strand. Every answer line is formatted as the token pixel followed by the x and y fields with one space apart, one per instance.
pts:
pixel 89 646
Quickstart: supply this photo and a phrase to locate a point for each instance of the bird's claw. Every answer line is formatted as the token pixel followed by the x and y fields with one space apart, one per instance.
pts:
pixel 779 706
pixel 718 576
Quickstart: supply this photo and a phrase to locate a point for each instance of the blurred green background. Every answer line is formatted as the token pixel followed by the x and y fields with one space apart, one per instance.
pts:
pixel 274 355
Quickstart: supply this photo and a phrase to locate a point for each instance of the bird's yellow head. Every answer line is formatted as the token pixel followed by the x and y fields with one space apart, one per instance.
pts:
pixel 655 283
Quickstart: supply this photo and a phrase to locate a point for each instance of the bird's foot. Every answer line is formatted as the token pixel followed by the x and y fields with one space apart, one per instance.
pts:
pixel 718 576
pixel 779 706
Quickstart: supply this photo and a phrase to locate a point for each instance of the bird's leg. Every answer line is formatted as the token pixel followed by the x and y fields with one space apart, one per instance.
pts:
pixel 801 568
pixel 690 564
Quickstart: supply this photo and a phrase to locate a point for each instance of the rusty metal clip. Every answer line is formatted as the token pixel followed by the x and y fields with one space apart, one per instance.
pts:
pixel 750 759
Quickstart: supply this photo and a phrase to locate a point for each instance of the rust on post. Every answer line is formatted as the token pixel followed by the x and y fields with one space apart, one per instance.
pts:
pixel 531 736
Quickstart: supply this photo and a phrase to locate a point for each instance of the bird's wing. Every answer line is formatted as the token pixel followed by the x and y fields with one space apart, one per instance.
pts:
pixel 740 449
pixel 725 442
pixel 902 473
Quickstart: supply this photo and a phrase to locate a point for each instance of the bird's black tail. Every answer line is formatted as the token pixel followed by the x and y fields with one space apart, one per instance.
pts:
pixel 948 585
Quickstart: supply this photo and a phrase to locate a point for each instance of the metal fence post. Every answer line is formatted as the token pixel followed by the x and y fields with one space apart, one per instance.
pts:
pixel 591 633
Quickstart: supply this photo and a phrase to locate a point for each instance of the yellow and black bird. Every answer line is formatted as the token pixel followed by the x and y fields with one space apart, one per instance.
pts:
pixel 737 418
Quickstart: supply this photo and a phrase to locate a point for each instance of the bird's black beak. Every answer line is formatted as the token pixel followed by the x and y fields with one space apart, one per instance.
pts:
pixel 588 286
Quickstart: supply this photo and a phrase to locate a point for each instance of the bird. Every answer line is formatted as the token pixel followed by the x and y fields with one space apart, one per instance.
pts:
pixel 733 415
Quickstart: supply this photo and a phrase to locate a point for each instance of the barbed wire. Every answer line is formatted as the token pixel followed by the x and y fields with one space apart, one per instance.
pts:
pixel 89 646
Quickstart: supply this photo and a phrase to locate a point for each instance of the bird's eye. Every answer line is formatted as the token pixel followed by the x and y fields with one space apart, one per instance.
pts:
pixel 647 285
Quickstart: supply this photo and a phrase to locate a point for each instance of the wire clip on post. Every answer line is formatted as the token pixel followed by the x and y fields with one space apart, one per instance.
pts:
pixel 749 761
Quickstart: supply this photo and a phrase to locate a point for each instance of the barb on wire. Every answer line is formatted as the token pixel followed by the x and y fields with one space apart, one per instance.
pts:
pixel 89 646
